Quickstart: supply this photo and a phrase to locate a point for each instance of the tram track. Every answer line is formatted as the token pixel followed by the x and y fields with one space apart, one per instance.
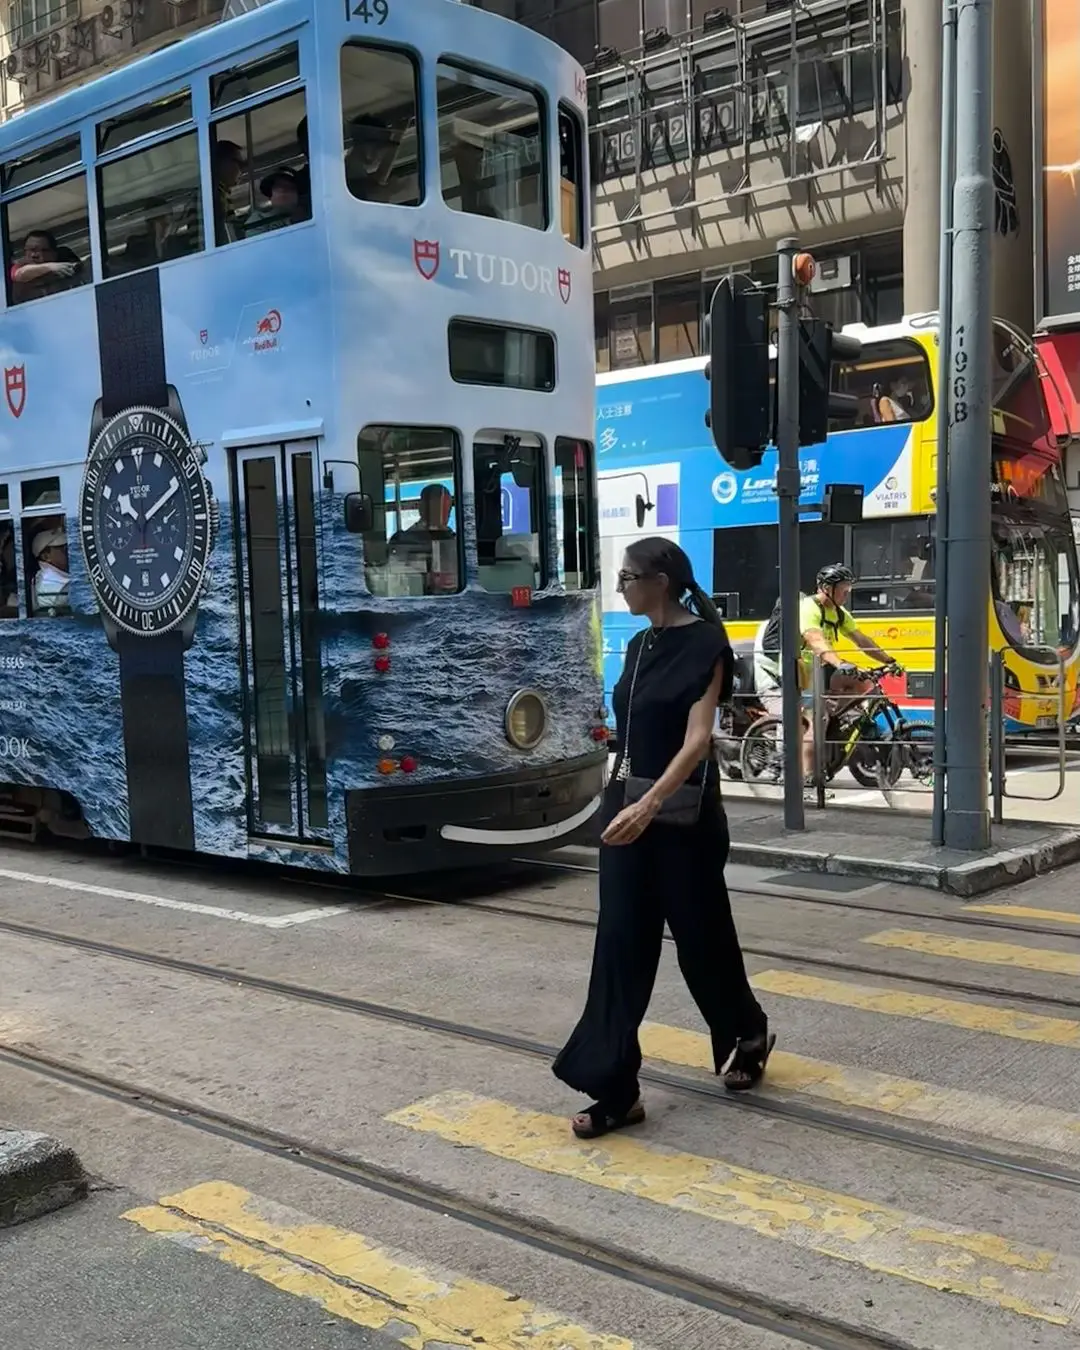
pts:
pixel 765 1313
pixel 884 1133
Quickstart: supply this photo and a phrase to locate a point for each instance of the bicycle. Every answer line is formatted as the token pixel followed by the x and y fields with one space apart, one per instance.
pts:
pixel 870 737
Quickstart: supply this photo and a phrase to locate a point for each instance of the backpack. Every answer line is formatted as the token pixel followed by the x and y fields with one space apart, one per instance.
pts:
pixel 770 638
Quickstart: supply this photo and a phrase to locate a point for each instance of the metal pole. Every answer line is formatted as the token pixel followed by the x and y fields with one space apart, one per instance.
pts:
pixel 967 815
pixel 788 488
pixel 997 736
pixel 819 730
pixel 945 279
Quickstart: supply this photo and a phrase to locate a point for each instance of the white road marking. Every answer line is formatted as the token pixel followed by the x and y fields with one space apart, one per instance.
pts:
pixel 188 906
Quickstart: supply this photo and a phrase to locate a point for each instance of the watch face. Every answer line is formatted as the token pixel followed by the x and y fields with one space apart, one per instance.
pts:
pixel 145 521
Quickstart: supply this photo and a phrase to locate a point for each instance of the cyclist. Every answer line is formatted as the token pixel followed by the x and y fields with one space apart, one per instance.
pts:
pixel 822 619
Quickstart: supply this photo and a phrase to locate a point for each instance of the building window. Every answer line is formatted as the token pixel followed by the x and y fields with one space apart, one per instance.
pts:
pixel 411 475
pixel 491 147
pixel 509 477
pixel 678 318
pixel 262 181
pixel 575 513
pixel 380 107
pixel 30 17
pixel 151 206
pixel 601 307
pixel 630 327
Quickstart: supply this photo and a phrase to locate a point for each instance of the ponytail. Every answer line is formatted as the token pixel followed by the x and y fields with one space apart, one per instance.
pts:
pixel 703 607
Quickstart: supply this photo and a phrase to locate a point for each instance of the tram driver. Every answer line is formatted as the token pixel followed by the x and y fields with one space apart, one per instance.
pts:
pixel 429 545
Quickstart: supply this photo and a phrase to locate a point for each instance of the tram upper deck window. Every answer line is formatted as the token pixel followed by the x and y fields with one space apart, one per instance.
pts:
pixel 491 147
pixel 261 76
pixel 379 102
pixel 509 478
pixel 262 181
pixel 47 230
pixel 151 205
pixel 9 574
pixel 575 513
pixel 572 187
pixel 412 475
pixel 892 381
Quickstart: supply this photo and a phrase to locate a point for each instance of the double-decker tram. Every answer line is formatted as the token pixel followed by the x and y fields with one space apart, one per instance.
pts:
pixel 660 472
pixel 298 526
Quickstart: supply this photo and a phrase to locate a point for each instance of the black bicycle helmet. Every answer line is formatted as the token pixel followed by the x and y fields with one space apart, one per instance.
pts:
pixel 834 574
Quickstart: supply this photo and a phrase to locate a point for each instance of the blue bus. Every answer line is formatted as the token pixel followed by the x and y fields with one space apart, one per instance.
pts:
pixel 297 451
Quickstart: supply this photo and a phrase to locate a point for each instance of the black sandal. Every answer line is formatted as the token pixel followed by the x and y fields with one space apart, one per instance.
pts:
pixel 603 1121
pixel 746 1068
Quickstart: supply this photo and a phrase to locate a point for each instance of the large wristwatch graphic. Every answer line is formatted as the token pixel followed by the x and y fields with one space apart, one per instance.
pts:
pixel 147 518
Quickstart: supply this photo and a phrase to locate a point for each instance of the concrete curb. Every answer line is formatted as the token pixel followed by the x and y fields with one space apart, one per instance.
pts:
pixel 37 1175
pixel 1003 868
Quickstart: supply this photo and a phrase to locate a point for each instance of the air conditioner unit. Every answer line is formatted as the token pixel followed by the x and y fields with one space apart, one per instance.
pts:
pixel 833 274
pixel 15 68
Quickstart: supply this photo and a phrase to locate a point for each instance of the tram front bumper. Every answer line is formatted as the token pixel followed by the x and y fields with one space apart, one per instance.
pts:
pixel 426 826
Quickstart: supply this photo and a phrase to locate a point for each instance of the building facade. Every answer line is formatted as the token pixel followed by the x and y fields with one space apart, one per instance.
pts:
pixel 720 127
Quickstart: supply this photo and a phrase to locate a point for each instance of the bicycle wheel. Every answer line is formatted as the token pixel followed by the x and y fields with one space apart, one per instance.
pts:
pixel 872 760
pixel 762 757
pixel 910 749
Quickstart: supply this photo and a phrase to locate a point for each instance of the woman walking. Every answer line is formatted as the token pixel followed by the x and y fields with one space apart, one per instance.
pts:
pixel 663 849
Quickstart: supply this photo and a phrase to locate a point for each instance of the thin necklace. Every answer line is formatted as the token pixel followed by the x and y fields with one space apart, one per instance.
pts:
pixel 655 634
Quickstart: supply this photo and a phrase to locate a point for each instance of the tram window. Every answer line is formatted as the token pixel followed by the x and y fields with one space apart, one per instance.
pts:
pixel 380 98
pixel 151 205
pixel 45 566
pixel 575 513
pixel 148 120
pixel 572 188
pixel 893 562
pixel 28 169
pixel 48 235
pixel 509 477
pixel 9 572
pixel 256 77
pixel 891 380
pixel 412 475
pixel 491 147
pixel 502 355
pixel 261 177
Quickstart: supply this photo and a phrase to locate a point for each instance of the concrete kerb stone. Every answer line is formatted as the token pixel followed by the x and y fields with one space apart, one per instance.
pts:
pixel 38 1174
pixel 1005 867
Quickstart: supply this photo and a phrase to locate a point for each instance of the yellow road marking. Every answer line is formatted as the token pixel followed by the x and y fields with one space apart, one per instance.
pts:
pixel 947 1012
pixel 1027 912
pixel 352 1278
pixel 973 949
pixel 1010 1121
pixel 982 1266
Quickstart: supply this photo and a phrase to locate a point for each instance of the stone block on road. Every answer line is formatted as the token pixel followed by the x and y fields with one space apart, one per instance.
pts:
pixel 37 1174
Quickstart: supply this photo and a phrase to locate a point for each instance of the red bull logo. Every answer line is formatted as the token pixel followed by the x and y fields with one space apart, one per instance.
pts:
pixel 15 389
pixel 269 323
pixel 266 332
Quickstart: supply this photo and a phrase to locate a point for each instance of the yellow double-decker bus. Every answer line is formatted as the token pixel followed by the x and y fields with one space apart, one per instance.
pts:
pixel 660 474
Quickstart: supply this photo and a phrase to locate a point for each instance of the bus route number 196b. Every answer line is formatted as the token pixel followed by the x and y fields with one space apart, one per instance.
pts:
pixel 370 11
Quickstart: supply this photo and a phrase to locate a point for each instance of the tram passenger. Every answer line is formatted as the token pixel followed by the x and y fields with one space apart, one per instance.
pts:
pixel 663 849
pixel 369 158
pixel 422 545
pixel 44 268
pixel 229 166
pixel 285 205
pixel 51 583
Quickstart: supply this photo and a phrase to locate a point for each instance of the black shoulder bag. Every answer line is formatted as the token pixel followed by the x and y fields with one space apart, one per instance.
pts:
pixel 683 807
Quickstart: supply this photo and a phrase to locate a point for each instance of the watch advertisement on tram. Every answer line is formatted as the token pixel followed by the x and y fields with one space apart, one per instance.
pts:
pixel 1057 129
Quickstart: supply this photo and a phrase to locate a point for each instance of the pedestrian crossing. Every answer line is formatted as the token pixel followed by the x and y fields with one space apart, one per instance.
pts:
pixel 984 1266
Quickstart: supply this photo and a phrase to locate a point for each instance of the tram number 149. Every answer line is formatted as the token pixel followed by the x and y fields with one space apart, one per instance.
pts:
pixel 370 11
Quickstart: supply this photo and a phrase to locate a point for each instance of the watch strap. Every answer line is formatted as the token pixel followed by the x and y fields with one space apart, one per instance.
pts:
pixel 156 740
pixel 131 343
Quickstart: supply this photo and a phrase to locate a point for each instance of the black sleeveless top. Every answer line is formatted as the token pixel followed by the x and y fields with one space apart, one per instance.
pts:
pixel 677 667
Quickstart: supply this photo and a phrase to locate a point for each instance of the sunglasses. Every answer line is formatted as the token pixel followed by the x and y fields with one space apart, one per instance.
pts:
pixel 624 578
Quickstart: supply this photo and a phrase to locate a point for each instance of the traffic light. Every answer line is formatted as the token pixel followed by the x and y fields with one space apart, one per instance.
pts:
pixel 820 349
pixel 737 344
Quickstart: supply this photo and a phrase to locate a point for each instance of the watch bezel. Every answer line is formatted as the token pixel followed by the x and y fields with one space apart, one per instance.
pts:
pixel 128 615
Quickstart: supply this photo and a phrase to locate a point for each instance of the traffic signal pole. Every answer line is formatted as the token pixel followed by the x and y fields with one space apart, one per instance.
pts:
pixel 967 815
pixel 788 490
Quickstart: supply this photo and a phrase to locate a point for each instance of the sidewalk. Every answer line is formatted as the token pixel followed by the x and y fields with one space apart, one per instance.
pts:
pixel 894 846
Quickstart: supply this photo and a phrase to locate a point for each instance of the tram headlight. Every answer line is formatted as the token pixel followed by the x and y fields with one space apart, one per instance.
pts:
pixel 526 720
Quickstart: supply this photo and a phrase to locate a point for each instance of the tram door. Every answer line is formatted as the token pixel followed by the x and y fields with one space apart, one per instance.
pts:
pixel 274 518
